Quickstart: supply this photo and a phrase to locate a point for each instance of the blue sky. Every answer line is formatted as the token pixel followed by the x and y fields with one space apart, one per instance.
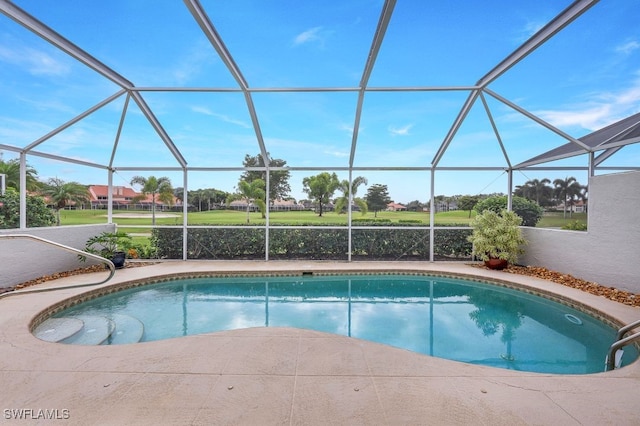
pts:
pixel 584 78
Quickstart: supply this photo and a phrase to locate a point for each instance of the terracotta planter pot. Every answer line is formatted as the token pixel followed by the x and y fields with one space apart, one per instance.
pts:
pixel 496 263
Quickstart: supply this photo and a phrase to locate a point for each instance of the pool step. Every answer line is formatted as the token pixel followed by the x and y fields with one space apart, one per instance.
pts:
pixel 118 329
pixel 96 330
pixel 58 329
pixel 128 330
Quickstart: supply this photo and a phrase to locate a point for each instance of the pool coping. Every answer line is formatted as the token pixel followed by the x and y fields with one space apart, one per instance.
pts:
pixel 310 375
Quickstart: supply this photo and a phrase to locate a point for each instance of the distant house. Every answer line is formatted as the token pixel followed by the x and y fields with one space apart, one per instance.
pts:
pixel 286 205
pixel 579 207
pixel 122 197
pixel 242 205
pixel 575 207
pixel 396 207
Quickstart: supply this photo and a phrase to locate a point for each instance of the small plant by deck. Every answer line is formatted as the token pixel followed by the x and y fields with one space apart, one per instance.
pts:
pixel 497 236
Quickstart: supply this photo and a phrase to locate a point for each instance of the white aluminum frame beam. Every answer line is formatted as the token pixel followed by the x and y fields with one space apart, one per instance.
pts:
pixel 538 120
pixel 565 17
pixel 40 29
pixel 148 113
pixel 201 17
pixel 74 120
pixel 383 24
pixel 495 129
pixel 471 99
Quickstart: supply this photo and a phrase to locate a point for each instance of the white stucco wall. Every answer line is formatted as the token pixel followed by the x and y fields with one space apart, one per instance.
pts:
pixel 609 252
pixel 23 259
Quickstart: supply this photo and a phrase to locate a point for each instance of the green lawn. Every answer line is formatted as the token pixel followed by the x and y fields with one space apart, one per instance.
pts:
pixel 233 217
pixel 558 219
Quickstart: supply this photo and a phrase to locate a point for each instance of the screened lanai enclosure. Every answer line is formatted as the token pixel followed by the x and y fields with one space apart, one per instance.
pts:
pixel 424 98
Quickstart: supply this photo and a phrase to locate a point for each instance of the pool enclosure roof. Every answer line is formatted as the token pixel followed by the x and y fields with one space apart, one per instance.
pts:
pixel 393 85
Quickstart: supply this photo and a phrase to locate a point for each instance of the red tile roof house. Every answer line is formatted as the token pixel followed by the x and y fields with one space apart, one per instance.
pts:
pixel 395 207
pixel 122 197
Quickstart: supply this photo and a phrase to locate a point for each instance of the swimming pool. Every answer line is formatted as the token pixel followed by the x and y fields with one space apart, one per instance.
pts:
pixel 446 317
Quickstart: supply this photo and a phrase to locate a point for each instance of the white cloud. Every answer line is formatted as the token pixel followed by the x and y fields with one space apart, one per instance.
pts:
pixel 400 131
pixel 347 128
pixel 338 154
pixel 223 117
pixel 36 62
pixel 529 30
pixel 192 62
pixel 311 35
pixel 601 110
pixel 628 47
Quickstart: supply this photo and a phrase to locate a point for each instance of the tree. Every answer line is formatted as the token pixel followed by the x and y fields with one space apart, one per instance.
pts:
pixel 321 188
pixel 467 202
pixel 377 198
pixel 565 190
pixel 278 179
pixel 343 201
pixel 37 212
pixel 536 190
pixel 415 206
pixel 156 187
pixel 529 211
pixel 253 192
pixel 61 194
pixel 11 169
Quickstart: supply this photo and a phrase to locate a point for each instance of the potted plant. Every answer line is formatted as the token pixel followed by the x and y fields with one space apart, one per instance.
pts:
pixel 497 238
pixel 110 245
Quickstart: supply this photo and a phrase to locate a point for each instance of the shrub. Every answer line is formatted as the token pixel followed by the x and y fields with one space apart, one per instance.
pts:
pixel 529 211
pixel 312 243
pixel 37 212
pixel 575 226
pixel 497 235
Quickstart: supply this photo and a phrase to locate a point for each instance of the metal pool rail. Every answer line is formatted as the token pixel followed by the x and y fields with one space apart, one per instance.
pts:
pixel 101 259
pixel 610 361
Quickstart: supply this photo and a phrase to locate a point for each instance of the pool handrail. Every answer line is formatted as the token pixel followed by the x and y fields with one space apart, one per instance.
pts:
pixel 107 262
pixel 610 360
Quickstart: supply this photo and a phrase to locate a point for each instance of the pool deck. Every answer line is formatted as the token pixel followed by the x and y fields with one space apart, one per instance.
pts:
pixel 268 376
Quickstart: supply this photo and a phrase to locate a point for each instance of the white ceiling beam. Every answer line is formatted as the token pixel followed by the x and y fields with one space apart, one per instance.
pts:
pixel 539 120
pixel 378 37
pixel 73 120
pixel 66 159
pixel 565 17
pixel 40 29
pixel 201 17
pixel 455 126
pixel 495 129
pixel 148 113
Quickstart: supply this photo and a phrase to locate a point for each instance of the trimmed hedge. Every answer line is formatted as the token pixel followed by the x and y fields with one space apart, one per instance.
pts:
pixel 314 243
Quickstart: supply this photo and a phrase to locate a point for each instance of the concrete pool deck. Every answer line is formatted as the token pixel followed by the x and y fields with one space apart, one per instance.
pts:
pixel 265 376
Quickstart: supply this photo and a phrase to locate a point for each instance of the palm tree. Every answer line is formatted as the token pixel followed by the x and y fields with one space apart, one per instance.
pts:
pixel 11 169
pixel 539 188
pixel 584 195
pixel 61 194
pixel 253 192
pixel 160 187
pixel 342 202
pixel 566 189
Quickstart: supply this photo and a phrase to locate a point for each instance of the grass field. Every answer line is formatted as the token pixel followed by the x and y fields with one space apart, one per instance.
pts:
pixel 232 217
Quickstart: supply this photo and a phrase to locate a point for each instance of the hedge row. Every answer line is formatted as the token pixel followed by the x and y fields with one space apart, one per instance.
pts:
pixel 312 244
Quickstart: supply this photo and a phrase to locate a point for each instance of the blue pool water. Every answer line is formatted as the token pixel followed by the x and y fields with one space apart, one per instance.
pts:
pixel 444 317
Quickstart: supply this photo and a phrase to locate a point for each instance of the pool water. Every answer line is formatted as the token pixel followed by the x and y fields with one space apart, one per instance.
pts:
pixel 449 318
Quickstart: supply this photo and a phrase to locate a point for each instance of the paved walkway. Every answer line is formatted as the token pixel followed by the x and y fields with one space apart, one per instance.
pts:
pixel 269 376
